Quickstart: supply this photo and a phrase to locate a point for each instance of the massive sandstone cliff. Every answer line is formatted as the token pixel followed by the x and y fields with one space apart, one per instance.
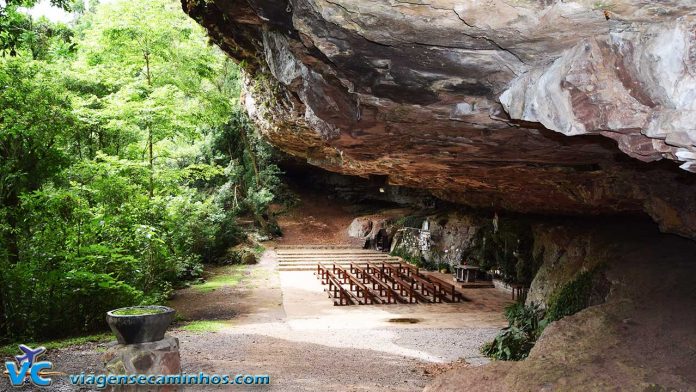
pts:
pixel 541 106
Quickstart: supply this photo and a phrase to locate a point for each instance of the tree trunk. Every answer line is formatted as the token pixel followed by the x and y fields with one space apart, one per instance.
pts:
pixel 252 156
pixel 146 54
pixel 151 162
pixel 148 75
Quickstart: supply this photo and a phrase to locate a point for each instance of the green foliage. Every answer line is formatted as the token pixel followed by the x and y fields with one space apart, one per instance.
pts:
pixel 572 297
pixel 414 221
pixel 137 311
pixel 419 261
pixel 259 249
pixel 78 299
pixel 10 350
pixel 231 276
pixel 252 181
pixel 409 258
pixel 19 33
pixel 205 326
pixel 506 250
pixel 514 342
pixel 526 323
pixel 124 163
pixel 35 116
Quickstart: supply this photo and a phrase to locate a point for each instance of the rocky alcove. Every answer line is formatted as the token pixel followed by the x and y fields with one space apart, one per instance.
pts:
pixel 575 118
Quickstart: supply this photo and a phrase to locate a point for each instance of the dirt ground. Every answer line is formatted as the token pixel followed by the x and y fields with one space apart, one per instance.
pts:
pixel 642 339
pixel 282 324
pixel 318 219
pixel 305 343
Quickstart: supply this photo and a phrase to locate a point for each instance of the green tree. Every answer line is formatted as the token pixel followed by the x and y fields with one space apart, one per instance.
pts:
pixel 125 162
pixel 162 70
pixel 19 32
pixel 35 117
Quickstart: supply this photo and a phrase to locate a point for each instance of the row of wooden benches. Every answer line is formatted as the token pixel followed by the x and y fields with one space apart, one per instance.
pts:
pixel 384 283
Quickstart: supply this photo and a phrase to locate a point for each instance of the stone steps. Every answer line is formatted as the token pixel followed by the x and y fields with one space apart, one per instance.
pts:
pixel 334 257
pixel 317 246
pixel 338 262
pixel 313 266
pixel 328 252
pixel 306 258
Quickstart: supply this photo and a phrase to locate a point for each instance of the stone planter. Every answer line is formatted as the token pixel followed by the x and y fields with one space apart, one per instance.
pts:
pixel 146 324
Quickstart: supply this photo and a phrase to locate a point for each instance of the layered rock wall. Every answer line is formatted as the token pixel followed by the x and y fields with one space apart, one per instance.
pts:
pixel 519 105
pixel 639 338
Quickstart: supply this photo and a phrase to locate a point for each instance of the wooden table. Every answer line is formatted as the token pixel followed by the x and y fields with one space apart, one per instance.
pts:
pixel 466 273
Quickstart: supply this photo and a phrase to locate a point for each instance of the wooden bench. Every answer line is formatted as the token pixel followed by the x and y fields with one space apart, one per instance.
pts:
pixel 335 290
pixel 357 286
pixel 389 282
pixel 411 269
pixel 428 288
pixel 377 277
pixel 519 292
pixel 404 287
pixel 414 281
pixel 446 288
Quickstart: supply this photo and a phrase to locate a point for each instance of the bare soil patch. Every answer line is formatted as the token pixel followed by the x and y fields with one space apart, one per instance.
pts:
pixel 255 320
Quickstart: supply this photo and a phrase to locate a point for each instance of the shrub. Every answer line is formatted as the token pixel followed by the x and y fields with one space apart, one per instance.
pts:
pixel 508 249
pixel 58 303
pixel 526 323
pixel 514 342
pixel 414 221
pixel 572 297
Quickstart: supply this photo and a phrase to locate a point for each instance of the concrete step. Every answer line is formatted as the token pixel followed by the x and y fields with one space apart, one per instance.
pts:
pixel 348 253
pixel 344 263
pixel 308 267
pixel 327 255
pixel 337 257
pixel 329 251
pixel 316 246
pixel 306 257
pixel 297 269
pixel 299 262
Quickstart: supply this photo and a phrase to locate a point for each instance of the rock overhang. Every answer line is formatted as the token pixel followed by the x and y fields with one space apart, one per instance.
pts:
pixel 530 106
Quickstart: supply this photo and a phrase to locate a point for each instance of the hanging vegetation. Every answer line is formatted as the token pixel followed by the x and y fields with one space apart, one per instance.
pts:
pixel 505 247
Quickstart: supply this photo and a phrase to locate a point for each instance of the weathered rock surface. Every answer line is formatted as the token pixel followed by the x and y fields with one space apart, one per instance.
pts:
pixel 565 253
pixel 242 254
pixel 153 358
pixel 360 227
pixel 640 339
pixel 450 236
pixel 529 106
pixel 636 86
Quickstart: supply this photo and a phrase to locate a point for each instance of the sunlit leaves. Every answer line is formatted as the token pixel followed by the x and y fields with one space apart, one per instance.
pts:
pixel 93 224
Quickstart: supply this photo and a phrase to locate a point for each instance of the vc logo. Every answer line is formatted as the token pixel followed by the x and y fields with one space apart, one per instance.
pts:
pixel 27 367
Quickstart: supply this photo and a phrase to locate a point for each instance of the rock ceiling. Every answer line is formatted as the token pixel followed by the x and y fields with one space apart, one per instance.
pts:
pixel 534 106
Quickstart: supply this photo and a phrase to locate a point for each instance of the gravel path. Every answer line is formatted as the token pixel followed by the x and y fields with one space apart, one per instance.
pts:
pixel 286 327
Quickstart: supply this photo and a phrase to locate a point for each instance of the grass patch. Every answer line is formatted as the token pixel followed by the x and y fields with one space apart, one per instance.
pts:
pixel 12 349
pixel 231 276
pixel 259 249
pixel 205 326
pixel 135 311
pixel 261 273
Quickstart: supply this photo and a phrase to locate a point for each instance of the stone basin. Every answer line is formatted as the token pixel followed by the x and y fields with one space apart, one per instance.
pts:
pixel 144 323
